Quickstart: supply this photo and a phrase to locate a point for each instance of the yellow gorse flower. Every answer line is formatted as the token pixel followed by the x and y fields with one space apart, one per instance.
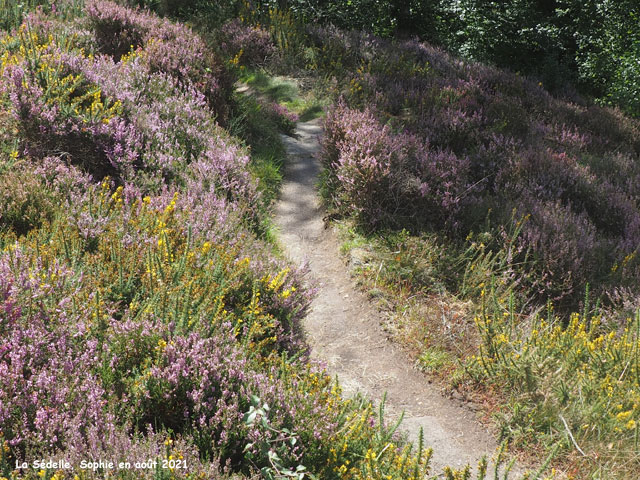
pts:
pixel 622 416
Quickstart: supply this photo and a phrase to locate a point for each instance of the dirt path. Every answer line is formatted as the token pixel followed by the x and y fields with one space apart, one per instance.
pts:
pixel 344 331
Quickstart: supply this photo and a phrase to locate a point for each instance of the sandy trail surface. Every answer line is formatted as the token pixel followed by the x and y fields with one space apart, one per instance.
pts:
pixel 344 329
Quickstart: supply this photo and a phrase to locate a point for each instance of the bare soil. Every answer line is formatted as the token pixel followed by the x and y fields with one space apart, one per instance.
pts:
pixel 345 331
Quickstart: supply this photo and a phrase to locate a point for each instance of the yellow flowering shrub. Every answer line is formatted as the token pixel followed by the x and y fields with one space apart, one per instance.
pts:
pixel 576 382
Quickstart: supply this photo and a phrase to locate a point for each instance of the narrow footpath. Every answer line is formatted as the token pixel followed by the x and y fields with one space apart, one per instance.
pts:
pixel 345 331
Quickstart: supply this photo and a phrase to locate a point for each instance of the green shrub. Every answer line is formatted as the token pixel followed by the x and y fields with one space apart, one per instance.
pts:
pixel 25 202
pixel 576 383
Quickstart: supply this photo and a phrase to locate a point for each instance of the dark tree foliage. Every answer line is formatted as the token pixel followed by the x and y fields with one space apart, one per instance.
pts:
pixel 522 35
pixel 211 12
pixel 591 45
pixel 381 17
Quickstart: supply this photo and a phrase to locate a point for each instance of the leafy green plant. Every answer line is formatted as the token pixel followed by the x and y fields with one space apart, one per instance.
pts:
pixel 269 448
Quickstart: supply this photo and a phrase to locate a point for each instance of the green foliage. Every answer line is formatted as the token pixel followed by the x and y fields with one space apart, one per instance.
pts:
pixel 267 150
pixel 624 89
pixel 523 35
pixel 285 439
pixel 591 44
pixel 381 17
pixel 433 359
pixel 565 43
pixel 25 202
pixel 206 12
pixel 570 384
pixel 12 12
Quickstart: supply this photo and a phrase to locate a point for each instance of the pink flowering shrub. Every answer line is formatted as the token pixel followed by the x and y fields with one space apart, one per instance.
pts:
pixel 47 397
pixel 168 224
pixel 179 129
pixel 141 317
pixel 133 361
pixel 203 386
pixel 387 178
pixel 97 113
pixel 59 111
pixel 251 44
pixel 117 28
pixel 282 117
pixel 420 140
pixel 122 446
pixel 165 46
pixel 565 245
